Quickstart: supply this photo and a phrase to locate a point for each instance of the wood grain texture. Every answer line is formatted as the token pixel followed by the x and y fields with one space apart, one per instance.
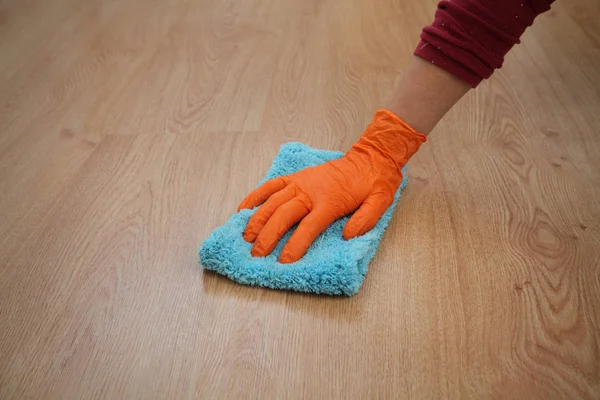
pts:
pixel 130 129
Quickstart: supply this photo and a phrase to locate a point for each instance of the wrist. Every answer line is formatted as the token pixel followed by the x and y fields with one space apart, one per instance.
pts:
pixel 389 138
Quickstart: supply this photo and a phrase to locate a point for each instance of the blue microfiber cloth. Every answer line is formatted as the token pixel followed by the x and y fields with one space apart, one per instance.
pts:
pixel 331 266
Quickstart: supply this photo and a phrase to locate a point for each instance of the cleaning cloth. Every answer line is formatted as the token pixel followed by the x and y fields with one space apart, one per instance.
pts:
pixel 332 265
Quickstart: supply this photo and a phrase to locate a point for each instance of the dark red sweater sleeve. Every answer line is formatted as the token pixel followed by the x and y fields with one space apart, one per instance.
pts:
pixel 469 38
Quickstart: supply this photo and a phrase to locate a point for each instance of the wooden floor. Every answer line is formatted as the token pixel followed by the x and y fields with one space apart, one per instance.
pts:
pixel 130 129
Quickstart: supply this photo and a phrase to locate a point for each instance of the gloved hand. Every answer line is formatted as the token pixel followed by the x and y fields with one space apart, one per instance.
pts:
pixel 364 180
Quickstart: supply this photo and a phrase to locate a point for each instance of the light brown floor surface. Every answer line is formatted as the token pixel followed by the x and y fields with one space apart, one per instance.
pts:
pixel 131 129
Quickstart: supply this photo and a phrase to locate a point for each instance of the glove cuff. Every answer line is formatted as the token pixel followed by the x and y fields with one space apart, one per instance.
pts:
pixel 391 137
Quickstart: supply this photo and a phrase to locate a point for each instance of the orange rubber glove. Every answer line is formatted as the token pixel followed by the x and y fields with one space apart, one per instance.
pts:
pixel 364 180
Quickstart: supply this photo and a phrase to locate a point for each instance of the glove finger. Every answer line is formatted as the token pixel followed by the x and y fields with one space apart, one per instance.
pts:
pixel 262 215
pixel 262 193
pixel 282 220
pixel 308 230
pixel 368 214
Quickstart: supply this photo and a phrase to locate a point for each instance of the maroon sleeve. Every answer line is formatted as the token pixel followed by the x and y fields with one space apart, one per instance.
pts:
pixel 469 38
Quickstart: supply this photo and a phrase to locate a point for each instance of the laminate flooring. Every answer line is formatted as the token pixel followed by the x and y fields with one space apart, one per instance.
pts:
pixel 130 129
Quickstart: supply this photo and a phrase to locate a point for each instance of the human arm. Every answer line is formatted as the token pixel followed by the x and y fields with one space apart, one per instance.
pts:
pixel 449 61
